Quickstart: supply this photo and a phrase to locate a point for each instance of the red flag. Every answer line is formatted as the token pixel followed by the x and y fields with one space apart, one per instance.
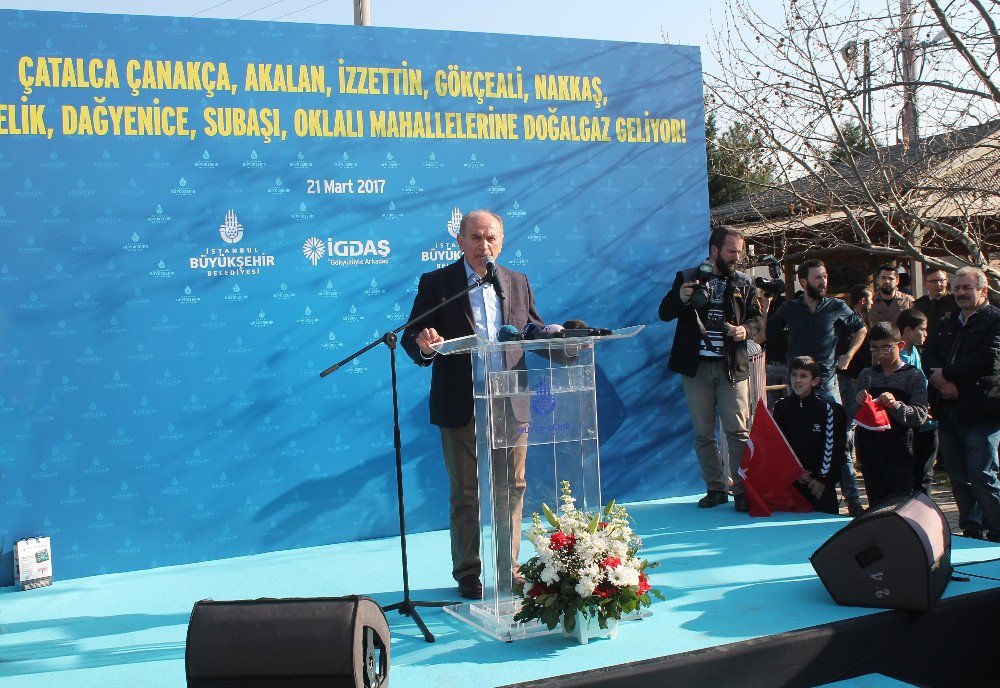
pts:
pixel 871 416
pixel 770 469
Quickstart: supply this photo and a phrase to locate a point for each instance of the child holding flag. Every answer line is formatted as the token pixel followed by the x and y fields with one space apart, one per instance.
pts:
pixel 816 430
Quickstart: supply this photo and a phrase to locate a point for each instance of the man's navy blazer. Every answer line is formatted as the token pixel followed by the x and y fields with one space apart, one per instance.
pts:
pixel 451 376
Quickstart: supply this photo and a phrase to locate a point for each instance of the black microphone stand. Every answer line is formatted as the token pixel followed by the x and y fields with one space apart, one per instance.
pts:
pixel 407 606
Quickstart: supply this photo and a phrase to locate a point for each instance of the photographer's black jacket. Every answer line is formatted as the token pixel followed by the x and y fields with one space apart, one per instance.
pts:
pixel 740 307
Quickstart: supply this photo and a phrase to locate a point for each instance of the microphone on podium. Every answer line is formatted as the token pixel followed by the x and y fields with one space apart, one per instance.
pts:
pixel 493 275
pixel 508 333
pixel 533 331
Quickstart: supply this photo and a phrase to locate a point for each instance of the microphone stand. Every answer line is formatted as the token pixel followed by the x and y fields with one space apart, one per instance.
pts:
pixel 407 606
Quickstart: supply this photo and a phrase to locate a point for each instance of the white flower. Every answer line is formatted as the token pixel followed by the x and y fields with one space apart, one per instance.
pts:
pixel 623 576
pixel 550 575
pixel 585 588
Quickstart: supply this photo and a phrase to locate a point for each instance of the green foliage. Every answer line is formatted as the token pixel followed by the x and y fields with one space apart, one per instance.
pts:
pixel 854 143
pixel 738 165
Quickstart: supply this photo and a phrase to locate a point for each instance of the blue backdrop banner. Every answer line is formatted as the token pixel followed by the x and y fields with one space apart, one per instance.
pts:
pixel 198 216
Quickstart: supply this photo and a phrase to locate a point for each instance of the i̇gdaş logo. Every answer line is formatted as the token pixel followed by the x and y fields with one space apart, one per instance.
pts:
pixel 347 252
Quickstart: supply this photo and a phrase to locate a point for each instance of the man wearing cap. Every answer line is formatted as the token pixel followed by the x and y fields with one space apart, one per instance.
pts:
pixel 483 311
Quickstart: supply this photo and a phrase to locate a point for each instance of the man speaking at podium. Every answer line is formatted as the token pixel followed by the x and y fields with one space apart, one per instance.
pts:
pixel 483 311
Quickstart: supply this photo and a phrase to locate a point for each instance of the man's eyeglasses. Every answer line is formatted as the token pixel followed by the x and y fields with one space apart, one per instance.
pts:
pixel 937 281
pixel 883 349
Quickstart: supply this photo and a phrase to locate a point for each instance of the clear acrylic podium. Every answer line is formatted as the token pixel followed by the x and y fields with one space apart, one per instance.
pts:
pixel 539 393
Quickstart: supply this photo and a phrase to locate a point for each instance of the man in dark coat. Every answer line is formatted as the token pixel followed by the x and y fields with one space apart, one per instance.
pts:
pixel 963 359
pixel 483 311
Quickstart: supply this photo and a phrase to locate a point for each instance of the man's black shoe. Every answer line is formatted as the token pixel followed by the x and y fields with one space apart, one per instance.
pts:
pixel 974 534
pixel 740 502
pixel 713 498
pixel 470 588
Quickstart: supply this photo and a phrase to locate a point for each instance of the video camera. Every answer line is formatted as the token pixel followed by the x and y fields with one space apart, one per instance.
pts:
pixel 775 286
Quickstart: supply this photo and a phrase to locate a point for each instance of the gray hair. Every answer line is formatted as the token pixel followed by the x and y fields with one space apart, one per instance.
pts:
pixel 970 271
pixel 478 211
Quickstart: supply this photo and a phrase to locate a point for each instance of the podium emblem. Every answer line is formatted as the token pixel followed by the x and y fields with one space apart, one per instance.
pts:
pixel 542 402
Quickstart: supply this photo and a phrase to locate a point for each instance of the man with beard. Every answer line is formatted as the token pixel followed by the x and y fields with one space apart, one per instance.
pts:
pixel 889 302
pixel 938 301
pixel 963 359
pixel 814 322
pixel 717 311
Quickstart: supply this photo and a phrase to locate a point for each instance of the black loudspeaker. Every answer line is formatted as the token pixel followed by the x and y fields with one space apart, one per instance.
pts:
pixel 896 555
pixel 320 642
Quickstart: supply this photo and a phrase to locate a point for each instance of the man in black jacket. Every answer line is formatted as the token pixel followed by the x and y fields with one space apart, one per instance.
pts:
pixel 717 311
pixel 963 359
pixel 482 312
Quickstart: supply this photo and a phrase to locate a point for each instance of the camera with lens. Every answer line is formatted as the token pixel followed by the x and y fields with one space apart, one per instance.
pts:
pixel 702 276
pixel 775 286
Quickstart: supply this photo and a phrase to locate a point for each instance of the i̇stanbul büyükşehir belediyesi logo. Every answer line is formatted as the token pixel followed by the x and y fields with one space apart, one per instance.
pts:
pixel 445 252
pixel 347 252
pixel 230 259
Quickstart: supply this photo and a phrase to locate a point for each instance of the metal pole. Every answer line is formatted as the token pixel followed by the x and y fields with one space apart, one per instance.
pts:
pixel 866 101
pixel 362 13
pixel 909 66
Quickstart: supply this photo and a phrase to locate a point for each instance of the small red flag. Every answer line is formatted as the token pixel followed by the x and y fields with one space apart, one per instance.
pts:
pixel 770 469
pixel 871 416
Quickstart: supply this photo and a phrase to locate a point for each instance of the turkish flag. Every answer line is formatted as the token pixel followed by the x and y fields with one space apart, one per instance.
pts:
pixel 770 469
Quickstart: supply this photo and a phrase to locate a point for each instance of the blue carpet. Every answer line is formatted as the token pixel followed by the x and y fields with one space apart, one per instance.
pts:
pixel 726 577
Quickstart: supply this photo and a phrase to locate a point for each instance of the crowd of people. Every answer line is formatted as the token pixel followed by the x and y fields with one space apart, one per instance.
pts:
pixel 929 368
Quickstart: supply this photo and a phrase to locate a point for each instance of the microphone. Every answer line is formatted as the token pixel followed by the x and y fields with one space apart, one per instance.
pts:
pixel 533 331
pixel 509 333
pixel 493 275
pixel 578 328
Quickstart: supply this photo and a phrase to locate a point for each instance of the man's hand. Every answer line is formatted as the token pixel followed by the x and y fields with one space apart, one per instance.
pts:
pixel 427 337
pixel 685 292
pixel 937 378
pixel 843 361
pixel 947 388
pixel 862 397
pixel 949 391
pixel 735 332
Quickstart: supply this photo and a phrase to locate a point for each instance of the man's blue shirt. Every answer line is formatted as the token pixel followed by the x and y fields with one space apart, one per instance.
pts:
pixel 814 333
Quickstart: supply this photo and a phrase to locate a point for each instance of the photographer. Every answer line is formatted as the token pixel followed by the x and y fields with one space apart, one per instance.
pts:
pixel 717 312
pixel 770 295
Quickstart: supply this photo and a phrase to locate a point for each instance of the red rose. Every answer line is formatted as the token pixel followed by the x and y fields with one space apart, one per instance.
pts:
pixel 561 540
pixel 536 590
pixel 644 585
pixel 603 524
pixel 610 562
pixel 605 590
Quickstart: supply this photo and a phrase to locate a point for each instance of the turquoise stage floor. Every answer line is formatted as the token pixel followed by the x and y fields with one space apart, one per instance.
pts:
pixel 726 577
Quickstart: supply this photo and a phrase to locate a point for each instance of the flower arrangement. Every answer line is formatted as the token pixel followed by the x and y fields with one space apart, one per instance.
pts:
pixel 585 563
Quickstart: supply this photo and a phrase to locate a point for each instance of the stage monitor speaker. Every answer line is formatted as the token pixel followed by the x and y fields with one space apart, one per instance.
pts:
pixel 896 555
pixel 292 643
